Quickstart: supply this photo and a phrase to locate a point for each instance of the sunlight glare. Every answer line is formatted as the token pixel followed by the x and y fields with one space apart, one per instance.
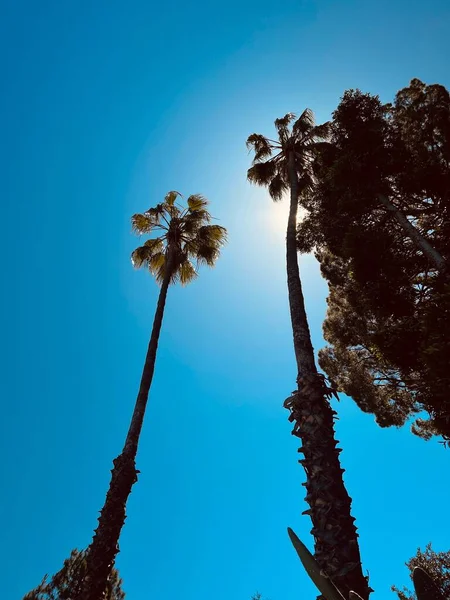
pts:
pixel 278 216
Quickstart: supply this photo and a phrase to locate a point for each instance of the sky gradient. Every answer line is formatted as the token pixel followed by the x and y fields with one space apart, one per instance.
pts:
pixel 106 106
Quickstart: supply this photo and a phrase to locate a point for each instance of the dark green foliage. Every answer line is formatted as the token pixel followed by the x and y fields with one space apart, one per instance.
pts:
pixel 66 582
pixel 435 565
pixel 388 322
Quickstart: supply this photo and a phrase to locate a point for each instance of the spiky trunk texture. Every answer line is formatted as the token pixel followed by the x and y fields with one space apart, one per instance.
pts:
pixel 336 544
pixel 414 234
pixel 105 544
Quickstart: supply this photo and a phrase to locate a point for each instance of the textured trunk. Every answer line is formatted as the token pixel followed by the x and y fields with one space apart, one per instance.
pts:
pixel 104 547
pixel 336 544
pixel 411 231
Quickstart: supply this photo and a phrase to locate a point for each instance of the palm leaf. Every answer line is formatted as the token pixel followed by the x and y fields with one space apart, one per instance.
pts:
pixel 197 202
pixel 277 187
pixel 146 252
pixel 186 271
pixel 155 245
pixel 205 247
pixel 142 223
pixel 157 266
pixel 193 221
pixel 322 131
pixel 139 256
pixel 207 255
pixel 155 212
pixel 171 197
pixel 216 235
pixel 262 173
pixel 282 126
pixel 261 146
pixel 304 123
pixel 284 122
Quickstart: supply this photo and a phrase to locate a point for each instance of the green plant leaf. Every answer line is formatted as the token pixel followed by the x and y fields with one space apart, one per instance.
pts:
pixel 325 586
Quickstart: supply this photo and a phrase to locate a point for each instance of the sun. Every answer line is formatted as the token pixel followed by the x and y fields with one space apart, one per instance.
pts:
pixel 278 215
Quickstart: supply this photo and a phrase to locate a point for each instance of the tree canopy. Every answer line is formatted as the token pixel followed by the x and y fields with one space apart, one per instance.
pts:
pixel 388 324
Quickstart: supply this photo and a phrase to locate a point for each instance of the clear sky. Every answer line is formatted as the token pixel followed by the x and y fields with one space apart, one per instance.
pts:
pixel 106 106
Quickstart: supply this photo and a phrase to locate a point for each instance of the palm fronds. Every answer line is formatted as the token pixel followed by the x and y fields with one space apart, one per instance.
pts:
pixel 282 127
pixel 262 173
pixel 261 146
pixel 304 123
pixel 185 235
pixel 277 187
pixel 303 138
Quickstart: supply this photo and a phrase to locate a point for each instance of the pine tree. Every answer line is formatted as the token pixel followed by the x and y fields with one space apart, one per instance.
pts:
pixel 379 220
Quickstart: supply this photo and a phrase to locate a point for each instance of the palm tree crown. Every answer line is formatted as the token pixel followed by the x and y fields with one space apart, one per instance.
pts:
pixel 184 238
pixel 270 165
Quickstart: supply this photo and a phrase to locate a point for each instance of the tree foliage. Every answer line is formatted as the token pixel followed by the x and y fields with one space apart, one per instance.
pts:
pixel 186 231
pixel 388 320
pixel 270 162
pixel 436 564
pixel 67 582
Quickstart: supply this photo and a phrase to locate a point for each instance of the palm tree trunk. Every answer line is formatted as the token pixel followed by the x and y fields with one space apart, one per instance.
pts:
pixel 415 235
pixel 104 547
pixel 336 544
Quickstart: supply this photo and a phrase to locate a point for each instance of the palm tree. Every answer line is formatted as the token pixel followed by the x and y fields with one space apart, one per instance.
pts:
pixel 184 239
pixel 286 165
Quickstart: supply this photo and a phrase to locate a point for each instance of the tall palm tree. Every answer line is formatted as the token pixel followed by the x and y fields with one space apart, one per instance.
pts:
pixel 183 240
pixel 286 165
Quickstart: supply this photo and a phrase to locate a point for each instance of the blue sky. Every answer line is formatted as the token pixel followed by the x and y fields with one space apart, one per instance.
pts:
pixel 105 107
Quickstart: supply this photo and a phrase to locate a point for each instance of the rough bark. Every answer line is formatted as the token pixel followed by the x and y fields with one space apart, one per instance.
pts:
pixel 431 253
pixel 336 543
pixel 105 544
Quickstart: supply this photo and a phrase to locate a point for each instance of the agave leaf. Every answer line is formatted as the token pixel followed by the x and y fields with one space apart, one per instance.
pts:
pixel 425 587
pixel 325 586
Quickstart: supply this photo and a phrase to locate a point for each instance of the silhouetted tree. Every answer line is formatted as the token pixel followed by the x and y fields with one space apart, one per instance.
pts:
pixel 286 165
pixel 183 239
pixel 389 306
